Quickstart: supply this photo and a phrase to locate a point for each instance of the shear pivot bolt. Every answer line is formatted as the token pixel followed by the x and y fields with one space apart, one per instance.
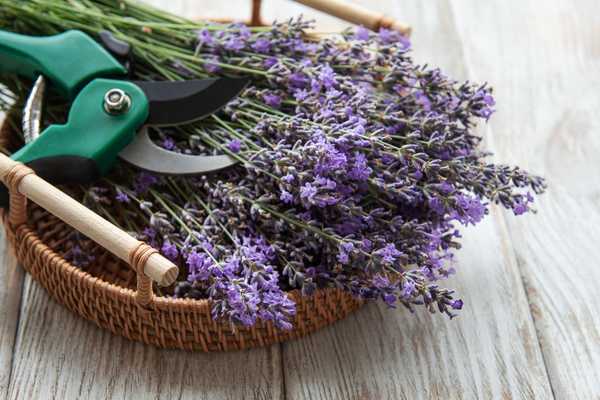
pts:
pixel 116 102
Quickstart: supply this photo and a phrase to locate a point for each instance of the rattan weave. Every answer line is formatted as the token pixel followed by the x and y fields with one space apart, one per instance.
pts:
pixel 105 292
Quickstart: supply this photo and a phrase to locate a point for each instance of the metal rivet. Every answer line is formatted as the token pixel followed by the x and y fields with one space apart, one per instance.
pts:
pixel 116 102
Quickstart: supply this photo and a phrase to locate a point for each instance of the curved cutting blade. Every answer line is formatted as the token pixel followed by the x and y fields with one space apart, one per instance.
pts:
pixel 32 113
pixel 180 102
pixel 146 155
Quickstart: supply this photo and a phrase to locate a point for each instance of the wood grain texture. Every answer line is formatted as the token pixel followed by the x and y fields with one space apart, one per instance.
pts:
pixel 489 351
pixel 544 63
pixel 58 355
pixel 332 368
pixel 11 283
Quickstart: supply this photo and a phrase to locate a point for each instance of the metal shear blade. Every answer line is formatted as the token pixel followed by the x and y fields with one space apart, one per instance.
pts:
pixel 174 103
pixel 181 102
pixel 170 103
pixel 145 154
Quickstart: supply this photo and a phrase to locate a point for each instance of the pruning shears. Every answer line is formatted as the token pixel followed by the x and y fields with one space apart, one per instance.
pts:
pixel 109 113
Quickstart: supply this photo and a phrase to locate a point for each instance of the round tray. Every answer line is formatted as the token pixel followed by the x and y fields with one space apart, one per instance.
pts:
pixel 105 292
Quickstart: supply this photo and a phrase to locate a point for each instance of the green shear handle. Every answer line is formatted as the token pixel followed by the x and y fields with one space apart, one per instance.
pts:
pixel 86 146
pixel 107 109
pixel 69 60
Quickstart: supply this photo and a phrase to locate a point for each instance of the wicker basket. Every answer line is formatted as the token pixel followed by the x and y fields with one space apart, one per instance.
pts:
pixel 117 297
pixel 120 297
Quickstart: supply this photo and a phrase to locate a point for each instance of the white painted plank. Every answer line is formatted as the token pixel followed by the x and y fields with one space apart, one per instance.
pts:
pixel 489 351
pixel 210 9
pixel 58 355
pixel 543 61
pixel 11 282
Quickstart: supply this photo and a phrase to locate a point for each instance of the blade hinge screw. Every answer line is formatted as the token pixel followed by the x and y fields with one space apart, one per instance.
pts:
pixel 116 102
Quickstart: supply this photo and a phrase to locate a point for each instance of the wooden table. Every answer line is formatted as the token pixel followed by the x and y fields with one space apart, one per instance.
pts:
pixel 530 328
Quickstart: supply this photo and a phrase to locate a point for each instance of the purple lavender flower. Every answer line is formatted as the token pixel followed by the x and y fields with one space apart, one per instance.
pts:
pixel 234 145
pixel 408 289
pixel 272 100
pixel 333 160
pixel 315 86
pixel 362 33
pixel 389 36
pixel 344 251
pixel 168 144
pixel 199 266
pixel 483 103
pixel 286 197
pixel 360 171
pixel 436 205
pixel 169 250
pixel 262 45
pixel 211 64
pixel 381 281
pixel 288 178
pixel 366 245
pixel 446 188
pixel 404 42
pixel 488 99
pixel 298 80
pixel 243 31
pixel 122 197
pixel 270 62
pixel 520 208
pixel 423 100
pixel 470 209
pixel 234 43
pixel 389 299
pixel 144 181
pixel 456 304
pixel 204 37
pixel 149 233
pixel 308 192
pixel 327 76
pixel 389 253
pixel 301 95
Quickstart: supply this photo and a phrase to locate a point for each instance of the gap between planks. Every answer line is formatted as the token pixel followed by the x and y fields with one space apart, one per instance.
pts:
pixel 548 122
pixel 11 288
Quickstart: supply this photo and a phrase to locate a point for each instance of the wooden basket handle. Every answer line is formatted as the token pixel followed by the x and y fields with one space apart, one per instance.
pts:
pixel 343 10
pixel 23 184
pixel 357 15
pixel 255 18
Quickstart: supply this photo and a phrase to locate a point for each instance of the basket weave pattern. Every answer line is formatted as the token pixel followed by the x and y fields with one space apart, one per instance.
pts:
pixel 165 322
pixel 105 293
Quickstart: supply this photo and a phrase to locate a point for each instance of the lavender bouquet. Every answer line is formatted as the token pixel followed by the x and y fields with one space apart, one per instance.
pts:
pixel 356 170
